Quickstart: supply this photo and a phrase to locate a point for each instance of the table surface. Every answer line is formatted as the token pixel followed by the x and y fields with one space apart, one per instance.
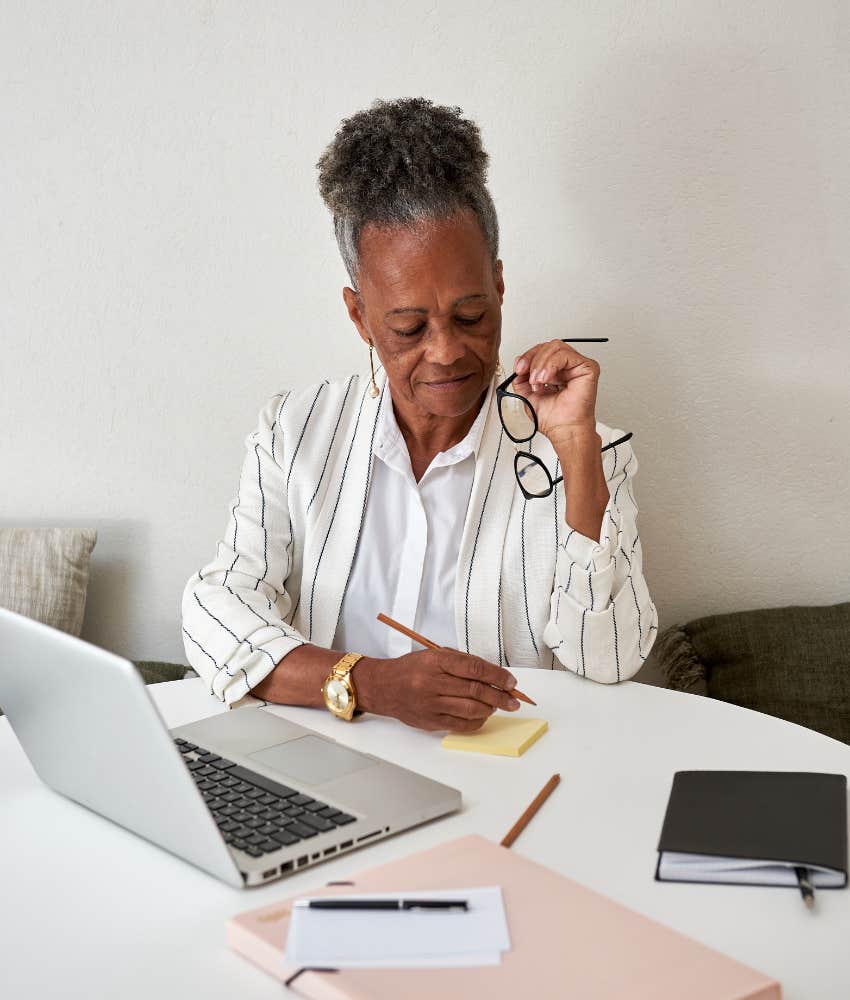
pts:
pixel 90 910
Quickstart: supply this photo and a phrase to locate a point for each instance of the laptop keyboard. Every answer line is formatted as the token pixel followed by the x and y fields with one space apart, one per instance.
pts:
pixel 255 814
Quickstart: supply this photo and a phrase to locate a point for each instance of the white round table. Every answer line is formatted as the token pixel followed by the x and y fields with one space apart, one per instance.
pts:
pixel 89 910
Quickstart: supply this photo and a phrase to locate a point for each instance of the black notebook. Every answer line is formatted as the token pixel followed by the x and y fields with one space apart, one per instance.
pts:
pixel 754 828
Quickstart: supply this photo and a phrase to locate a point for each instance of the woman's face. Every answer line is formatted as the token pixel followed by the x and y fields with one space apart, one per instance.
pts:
pixel 432 306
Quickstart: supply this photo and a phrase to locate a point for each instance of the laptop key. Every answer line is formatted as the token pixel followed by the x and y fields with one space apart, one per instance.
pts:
pixel 269 814
pixel 255 852
pixel 243 833
pixel 330 813
pixel 254 793
pixel 205 785
pixel 255 838
pixel 230 796
pixel 253 822
pixel 208 758
pixel 268 846
pixel 268 800
pixel 301 800
pixel 242 802
pixel 294 811
pixel 229 782
pixel 315 807
pixel 267 828
pixel 228 826
pixel 242 786
pixel 223 764
pixel 252 778
pixel 285 837
pixel 322 825
pixel 193 765
pixel 236 841
pixel 254 808
pixel 184 749
pixel 301 831
pixel 228 810
pixel 206 769
pixel 343 818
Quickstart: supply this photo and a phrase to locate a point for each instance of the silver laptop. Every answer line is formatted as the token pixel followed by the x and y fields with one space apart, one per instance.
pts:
pixel 245 795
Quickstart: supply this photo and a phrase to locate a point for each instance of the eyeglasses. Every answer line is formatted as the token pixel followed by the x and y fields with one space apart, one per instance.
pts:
pixel 519 421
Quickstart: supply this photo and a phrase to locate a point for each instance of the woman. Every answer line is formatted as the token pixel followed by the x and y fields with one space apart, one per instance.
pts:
pixel 398 493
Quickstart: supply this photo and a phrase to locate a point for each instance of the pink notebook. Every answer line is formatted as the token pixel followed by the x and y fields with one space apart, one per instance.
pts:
pixel 566 940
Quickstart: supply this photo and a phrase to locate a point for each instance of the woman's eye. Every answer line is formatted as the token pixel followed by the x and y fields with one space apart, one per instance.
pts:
pixel 465 320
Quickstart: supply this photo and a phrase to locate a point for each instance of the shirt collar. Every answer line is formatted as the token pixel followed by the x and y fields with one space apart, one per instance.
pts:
pixel 389 441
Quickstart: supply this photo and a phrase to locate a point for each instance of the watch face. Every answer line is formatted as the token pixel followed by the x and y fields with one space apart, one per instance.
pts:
pixel 337 694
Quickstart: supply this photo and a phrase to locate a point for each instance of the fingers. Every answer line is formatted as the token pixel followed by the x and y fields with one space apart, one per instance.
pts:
pixel 477 693
pixel 454 724
pixel 474 668
pixel 549 362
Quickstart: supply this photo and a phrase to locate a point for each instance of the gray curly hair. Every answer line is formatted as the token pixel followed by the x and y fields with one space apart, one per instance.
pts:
pixel 400 162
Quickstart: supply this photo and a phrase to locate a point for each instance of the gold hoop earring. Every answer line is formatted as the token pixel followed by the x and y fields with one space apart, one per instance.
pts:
pixel 374 390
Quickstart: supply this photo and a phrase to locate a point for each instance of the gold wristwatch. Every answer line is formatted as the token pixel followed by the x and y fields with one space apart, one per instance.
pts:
pixel 338 690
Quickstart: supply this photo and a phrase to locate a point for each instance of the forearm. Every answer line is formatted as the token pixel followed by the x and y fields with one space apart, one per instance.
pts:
pixel 585 486
pixel 298 679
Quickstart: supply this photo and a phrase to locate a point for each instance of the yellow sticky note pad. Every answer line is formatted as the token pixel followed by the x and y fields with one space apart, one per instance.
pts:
pixel 501 734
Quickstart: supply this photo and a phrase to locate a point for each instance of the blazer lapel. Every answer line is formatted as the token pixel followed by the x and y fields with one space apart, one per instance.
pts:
pixel 479 568
pixel 332 538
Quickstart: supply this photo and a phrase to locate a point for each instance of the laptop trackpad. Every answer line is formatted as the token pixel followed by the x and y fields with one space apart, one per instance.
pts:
pixel 311 760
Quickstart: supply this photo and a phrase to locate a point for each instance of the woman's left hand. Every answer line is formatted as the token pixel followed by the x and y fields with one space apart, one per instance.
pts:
pixel 561 385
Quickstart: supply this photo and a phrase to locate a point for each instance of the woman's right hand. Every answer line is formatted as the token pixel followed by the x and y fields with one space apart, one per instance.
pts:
pixel 435 689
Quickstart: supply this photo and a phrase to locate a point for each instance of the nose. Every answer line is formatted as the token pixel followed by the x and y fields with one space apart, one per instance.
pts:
pixel 444 347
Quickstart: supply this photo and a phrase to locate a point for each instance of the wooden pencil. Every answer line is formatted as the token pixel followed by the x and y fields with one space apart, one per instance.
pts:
pixel 525 819
pixel 433 645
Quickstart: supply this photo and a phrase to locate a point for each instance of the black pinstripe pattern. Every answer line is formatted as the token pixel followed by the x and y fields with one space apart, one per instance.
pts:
pixel 590 588
pixel 247 642
pixel 218 669
pixel 336 505
pixel 613 471
pixel 616 650
pixel 363 508
pixel 499 618
pixel 331 445
pixel 235 529
pixel 277 420
pixel 262 518
pixel 637 607
pixel 583 667
pixel 290 543
pixel 477 533
pixel 524 580
pixel 569 577
pixel 280 628
pixel 557 534
pixel 625 477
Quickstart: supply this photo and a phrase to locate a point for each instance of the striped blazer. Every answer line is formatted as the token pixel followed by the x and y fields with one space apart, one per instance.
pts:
pixel 529 591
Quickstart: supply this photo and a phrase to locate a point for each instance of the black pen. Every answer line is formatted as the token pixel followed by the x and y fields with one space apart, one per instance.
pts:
pixel 806 888
pixel 384 904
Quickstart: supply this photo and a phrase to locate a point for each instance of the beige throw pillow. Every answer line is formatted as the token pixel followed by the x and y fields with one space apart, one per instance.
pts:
pixel 44 573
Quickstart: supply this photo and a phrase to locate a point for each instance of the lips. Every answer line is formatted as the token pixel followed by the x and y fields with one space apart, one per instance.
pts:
pixel 450 381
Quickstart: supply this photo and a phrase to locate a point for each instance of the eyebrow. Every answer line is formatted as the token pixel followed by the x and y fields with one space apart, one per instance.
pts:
pixel 420 309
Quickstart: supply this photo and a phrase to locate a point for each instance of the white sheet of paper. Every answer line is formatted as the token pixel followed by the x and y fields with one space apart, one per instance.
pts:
pixel 393 939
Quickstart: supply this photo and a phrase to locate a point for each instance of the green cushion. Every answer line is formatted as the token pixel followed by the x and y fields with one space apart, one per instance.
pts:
pixel 154 672
pixel 791 662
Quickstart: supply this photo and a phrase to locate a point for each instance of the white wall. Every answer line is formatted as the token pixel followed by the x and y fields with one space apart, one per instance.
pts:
pixel 671 175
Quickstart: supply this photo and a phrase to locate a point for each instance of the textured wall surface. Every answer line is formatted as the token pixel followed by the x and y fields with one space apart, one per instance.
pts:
pixel 671 175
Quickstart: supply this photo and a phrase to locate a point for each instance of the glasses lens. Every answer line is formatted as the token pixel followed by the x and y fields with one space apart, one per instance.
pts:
pixel 533 476
pixel 517 416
